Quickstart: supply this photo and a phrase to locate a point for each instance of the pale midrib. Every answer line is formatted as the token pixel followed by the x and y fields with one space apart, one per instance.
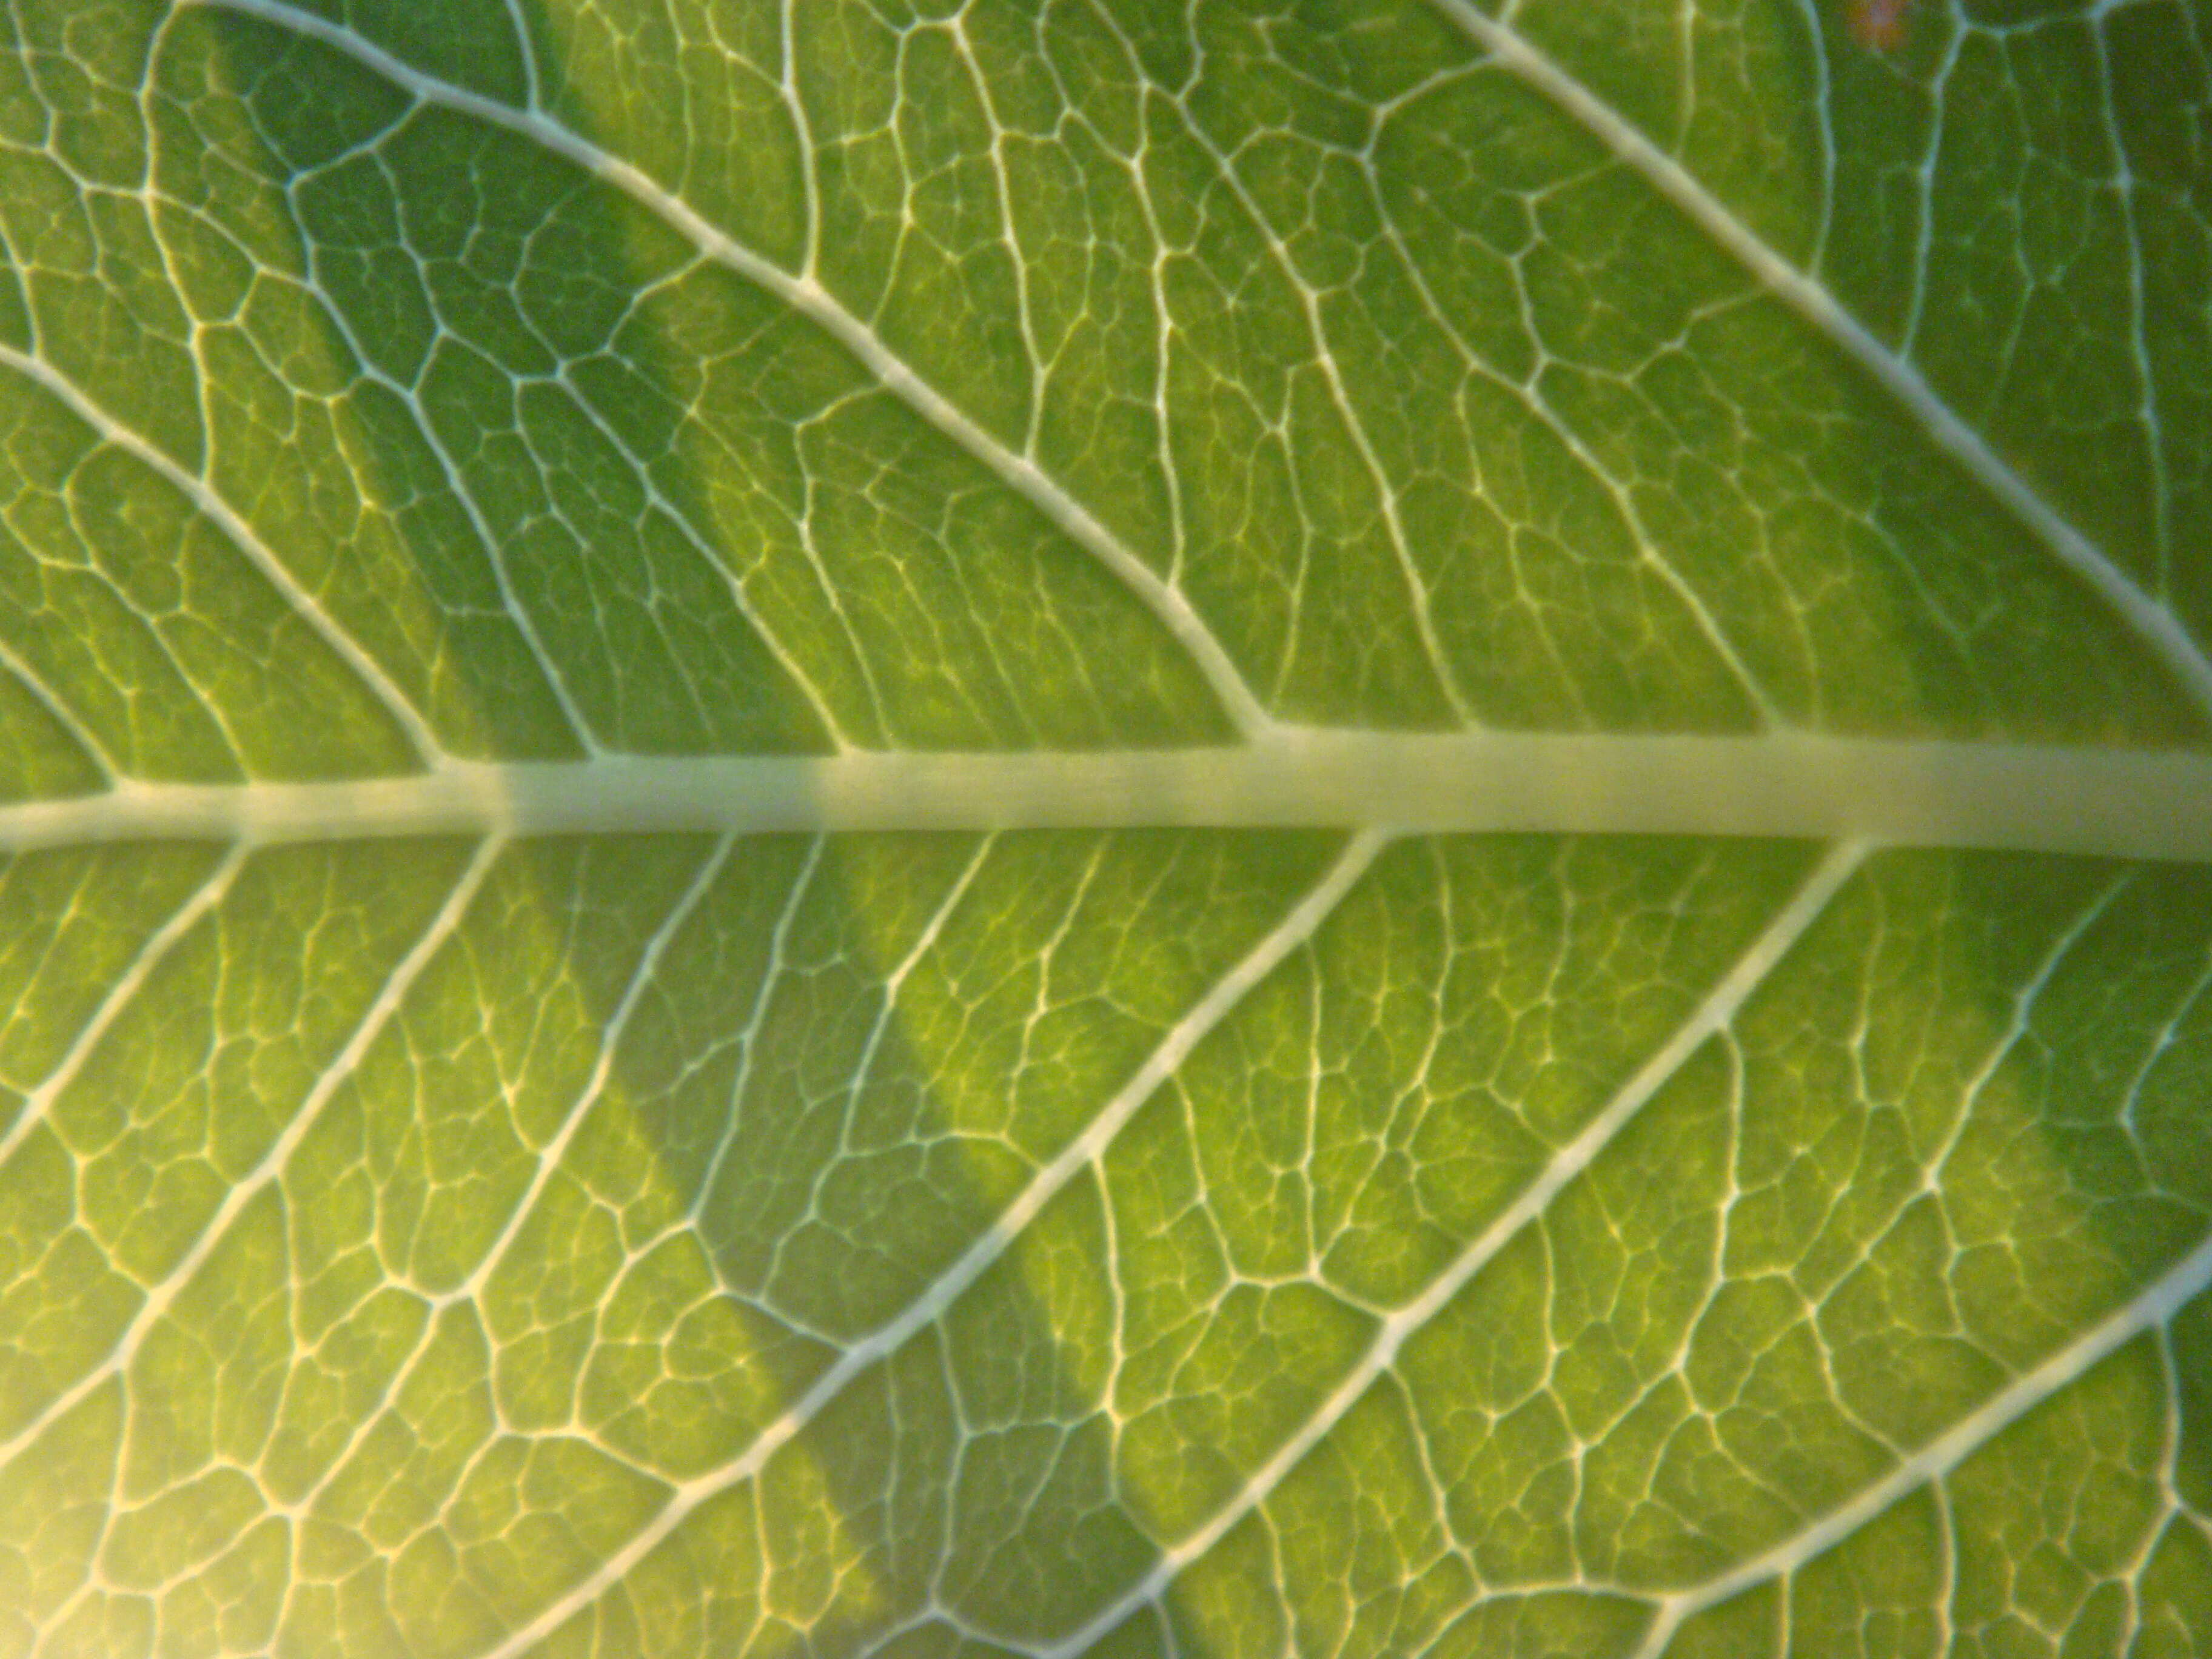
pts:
pixel 2012 796
pixel 2157 626
pixel 2115 803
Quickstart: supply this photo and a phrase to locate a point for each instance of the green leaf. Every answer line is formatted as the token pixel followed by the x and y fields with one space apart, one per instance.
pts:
pixel 1087 828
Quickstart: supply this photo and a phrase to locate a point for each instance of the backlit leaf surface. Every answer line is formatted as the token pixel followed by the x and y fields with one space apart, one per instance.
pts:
pixel 466 1191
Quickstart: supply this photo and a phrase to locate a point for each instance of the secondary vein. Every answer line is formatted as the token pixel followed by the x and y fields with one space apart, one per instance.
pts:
pixel 807 297
pixel 2152 622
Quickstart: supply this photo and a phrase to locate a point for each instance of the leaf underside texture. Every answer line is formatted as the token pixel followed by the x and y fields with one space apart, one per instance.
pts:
pixel 1086 828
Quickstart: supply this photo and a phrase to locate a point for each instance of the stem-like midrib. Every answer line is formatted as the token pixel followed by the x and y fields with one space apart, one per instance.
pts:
pixel 2118 803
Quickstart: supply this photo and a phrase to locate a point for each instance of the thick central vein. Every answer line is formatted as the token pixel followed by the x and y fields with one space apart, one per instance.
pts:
pixel 2113 803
